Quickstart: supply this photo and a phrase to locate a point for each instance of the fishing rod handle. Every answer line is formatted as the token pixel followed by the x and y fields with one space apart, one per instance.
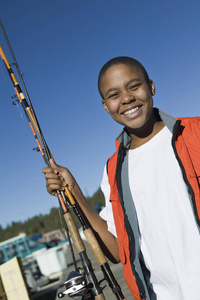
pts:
pixel 78 243
pixel 112 282
pixel 94 245
pixel 80 248
pixel 92 241
pixel 100 297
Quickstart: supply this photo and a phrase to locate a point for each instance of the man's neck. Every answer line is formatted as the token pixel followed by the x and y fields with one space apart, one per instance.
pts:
pixel 140 137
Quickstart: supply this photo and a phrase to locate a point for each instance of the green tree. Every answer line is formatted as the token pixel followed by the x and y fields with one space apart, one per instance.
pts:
pixel 45 223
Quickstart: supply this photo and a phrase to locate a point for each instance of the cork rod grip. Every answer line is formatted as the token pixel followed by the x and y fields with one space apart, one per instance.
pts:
pixel 100 297
pixel 78 243
pixel 92 241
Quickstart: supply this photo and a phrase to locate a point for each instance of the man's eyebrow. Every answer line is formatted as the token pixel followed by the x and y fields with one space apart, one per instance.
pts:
pixel 111 90
pixel 132 80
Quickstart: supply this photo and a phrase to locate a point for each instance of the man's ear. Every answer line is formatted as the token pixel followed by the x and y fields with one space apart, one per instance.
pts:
pixel 152 87
pixel 105 106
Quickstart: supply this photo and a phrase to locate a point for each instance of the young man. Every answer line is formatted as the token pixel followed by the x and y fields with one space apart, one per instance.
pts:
pixel 151 186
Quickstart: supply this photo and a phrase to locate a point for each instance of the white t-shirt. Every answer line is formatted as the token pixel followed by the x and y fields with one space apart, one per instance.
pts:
pixel 170 241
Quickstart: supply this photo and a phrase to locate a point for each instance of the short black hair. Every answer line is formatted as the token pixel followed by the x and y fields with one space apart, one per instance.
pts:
pixel 124 60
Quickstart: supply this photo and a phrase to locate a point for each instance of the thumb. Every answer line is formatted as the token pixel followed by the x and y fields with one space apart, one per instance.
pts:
pixel 54 166
pixel 59 170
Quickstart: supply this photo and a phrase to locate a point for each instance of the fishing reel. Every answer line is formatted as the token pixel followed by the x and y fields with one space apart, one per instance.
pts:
pixel 77 287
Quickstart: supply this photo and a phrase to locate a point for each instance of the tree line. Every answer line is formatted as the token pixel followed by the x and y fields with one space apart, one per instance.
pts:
pixel 44 223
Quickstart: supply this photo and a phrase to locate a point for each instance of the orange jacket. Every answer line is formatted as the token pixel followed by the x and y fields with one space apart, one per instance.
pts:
pixel 186 144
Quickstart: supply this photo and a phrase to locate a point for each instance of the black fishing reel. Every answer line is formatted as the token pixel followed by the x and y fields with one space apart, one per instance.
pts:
pixel 77 287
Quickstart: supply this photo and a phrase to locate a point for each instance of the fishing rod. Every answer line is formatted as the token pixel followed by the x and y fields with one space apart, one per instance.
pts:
pixel 91 278
pixel 65 203
pixel 17 66
pixel 26 92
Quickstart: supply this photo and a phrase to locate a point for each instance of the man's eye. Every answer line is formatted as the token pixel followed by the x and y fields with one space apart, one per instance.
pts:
pixel 134 87
pixel 113 95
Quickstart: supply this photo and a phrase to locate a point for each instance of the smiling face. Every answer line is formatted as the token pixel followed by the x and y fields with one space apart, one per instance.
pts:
pixel 128 97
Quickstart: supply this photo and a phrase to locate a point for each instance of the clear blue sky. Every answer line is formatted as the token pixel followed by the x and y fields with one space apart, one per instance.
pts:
pixel 60 46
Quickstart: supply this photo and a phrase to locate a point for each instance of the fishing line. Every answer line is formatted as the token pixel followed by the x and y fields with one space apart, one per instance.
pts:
pixel 19 108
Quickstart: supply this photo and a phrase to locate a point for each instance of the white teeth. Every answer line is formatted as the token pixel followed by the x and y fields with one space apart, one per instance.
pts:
pixel 131 111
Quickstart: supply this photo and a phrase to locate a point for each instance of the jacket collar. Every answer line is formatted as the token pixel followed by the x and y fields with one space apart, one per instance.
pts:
pixel 125 139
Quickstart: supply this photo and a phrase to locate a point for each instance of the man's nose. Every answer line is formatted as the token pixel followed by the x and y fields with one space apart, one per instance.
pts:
pixel 127 97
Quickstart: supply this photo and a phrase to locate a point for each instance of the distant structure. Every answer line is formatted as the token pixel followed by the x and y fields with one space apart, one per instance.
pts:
pixel 20 246
pixel 52 235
